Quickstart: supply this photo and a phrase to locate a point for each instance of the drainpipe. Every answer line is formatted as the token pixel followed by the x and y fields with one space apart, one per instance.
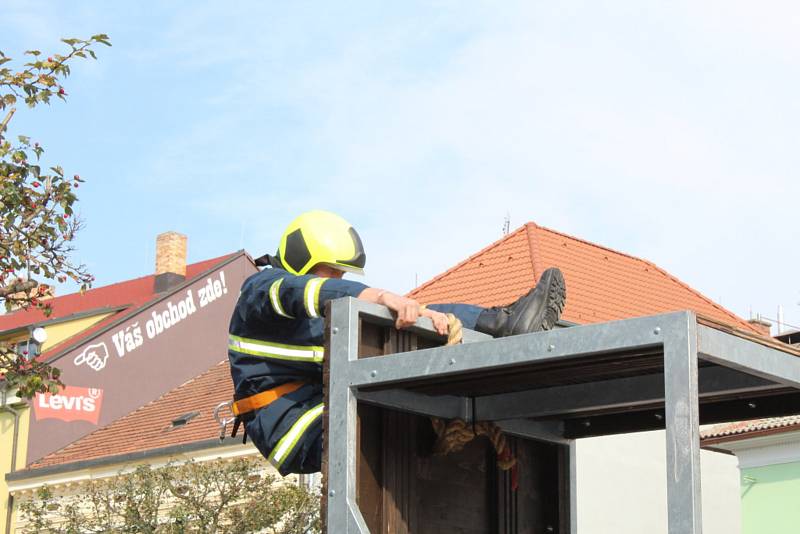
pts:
pixel 9 513
pixel 5 408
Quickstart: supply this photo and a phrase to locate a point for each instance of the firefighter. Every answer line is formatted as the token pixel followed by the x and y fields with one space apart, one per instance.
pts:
pixel 276 332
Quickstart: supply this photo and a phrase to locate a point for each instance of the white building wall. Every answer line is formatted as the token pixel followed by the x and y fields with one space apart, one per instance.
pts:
pixel 622 486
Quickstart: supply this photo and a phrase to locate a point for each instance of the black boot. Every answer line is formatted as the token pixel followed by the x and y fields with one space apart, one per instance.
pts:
pixel 538 310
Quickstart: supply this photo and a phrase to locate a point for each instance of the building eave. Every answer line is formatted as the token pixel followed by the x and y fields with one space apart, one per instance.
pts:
pixel 28 479
pixel 67 318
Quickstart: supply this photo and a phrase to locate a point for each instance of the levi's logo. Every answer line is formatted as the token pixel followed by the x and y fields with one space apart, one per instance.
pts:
pixel 70 404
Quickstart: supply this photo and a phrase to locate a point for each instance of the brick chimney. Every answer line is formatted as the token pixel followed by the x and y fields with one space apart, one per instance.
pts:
pixel 170 260
pixel 762 325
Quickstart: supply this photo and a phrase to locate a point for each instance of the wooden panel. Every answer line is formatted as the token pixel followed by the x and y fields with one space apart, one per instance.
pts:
pixel 464 492
pixel 372 340
pixel 398 462
pixel 450 493
pixel 370 467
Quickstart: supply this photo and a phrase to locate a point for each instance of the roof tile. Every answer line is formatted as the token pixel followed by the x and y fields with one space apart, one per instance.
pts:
pixel 602 284
pixel 149 426
pixel 742 429
pixel 130 293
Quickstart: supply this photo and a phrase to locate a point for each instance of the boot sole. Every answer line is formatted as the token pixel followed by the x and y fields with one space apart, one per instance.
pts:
pixel 556 299
pixel 552 292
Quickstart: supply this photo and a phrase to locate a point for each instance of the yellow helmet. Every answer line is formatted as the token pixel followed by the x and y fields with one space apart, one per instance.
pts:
pixel 317 237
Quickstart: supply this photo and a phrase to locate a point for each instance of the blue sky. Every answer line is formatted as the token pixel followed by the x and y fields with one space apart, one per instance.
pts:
pixel 665 130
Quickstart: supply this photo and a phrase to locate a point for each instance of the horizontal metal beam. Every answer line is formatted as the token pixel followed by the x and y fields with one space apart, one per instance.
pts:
pixel 549 431
pixel 619 393
pixel 748 356
pixel 444 406
pixel 724 411
pixel 561 344
pixel 381 315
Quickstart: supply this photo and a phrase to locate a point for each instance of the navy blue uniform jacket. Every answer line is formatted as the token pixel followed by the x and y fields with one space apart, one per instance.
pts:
pixel 276 336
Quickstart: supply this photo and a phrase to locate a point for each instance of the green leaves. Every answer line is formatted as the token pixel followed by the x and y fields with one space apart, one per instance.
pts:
pixel 101 38
pixel 28 376
pixel 38 82
pixel 215 497
pixel 37 206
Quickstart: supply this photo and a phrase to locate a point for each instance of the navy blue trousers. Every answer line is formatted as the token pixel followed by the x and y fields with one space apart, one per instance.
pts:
pixel 466 313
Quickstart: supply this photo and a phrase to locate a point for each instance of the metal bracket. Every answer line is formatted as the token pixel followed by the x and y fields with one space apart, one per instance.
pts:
pixel 223 422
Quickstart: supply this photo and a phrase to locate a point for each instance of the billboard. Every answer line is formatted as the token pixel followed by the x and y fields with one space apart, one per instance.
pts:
pixel 148 353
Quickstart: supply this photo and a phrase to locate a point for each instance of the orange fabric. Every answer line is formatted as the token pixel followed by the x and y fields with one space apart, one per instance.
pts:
pixel 265 398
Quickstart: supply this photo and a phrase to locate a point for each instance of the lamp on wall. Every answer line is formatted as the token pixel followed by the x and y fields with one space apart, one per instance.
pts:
pixel 33 347
pixel 39 335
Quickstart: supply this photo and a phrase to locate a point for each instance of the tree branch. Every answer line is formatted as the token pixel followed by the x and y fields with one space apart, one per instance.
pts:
pixel 6 120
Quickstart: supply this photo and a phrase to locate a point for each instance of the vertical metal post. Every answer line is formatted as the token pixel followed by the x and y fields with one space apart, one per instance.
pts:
pixel 573 487
pixel 682 422
pixel 343 514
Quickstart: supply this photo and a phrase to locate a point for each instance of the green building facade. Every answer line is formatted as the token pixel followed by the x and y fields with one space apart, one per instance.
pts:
pixel 768 451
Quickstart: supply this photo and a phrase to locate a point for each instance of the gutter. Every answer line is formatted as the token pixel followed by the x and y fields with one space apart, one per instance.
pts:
pixel 27 474
pixel 65 319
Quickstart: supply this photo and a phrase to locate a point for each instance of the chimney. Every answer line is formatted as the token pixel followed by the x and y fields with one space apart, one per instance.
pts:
pixel 170 260
pixel 762 325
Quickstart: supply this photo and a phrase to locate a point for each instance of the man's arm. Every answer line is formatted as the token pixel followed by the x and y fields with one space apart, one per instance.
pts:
pixel 407 310
pixel 293 296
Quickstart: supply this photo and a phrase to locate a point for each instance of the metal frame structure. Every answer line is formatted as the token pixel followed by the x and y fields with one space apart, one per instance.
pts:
pixel 700 363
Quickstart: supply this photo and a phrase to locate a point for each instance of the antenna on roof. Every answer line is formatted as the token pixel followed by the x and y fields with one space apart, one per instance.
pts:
pixel 507 223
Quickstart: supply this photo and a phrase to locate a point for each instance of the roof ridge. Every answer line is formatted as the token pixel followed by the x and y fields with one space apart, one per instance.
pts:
pixel 535 251
pixel 143 277
pixel 750 427
pixel 465 261
pixel 132 413
pixel 660 270
pixel 128 281
pixel 702 296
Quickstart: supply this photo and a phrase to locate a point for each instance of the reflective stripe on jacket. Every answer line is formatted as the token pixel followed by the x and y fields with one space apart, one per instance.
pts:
pixel 276 336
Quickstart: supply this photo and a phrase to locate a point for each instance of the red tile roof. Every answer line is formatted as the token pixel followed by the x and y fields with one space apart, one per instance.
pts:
pixel 748 429
pixel 124 298
pixel 146 428
pixel 602 284
pixel 130 293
